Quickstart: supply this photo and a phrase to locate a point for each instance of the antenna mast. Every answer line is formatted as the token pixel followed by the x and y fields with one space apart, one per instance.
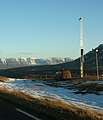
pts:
pixel 81 48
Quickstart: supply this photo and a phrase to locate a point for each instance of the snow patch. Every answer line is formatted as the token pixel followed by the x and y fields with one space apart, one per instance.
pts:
pixel 39 89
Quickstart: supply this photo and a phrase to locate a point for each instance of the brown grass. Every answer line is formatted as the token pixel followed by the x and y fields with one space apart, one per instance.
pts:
pixel 91 86
pixel 53 107
pixel 2 78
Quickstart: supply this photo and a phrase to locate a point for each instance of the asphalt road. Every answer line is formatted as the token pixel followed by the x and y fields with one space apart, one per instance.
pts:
pixel 11 111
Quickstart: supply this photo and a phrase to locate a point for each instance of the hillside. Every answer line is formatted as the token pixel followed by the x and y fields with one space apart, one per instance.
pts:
pixel 89 59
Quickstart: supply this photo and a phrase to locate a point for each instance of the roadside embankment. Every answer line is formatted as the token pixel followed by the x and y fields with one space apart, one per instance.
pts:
pixel 53 107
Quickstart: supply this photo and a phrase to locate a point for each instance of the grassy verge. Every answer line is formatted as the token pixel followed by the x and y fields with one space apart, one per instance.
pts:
pixel 53 107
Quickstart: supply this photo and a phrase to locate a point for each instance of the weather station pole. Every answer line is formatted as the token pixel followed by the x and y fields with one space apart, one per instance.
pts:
pixel 81 48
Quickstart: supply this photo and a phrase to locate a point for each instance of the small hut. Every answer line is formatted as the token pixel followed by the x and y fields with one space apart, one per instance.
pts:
pixel 63 75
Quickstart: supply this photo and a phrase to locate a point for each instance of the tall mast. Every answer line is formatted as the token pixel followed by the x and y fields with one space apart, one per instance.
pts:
pixel 81 48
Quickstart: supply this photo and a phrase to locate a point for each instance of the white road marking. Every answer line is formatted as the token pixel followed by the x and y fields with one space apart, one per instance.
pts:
pixel 29 115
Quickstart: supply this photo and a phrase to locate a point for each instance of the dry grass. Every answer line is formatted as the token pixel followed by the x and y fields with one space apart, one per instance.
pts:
pixel 38 87
pixel 53 107
pixel 91 86
pixel 2 78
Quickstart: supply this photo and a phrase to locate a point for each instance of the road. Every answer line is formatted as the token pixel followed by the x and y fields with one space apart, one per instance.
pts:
pixel 11 111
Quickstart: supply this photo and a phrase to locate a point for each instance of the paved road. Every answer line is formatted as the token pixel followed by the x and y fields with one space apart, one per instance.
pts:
pixel 11 111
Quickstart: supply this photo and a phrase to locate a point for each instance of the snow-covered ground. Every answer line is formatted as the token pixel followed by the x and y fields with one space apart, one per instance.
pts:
pixel 40 89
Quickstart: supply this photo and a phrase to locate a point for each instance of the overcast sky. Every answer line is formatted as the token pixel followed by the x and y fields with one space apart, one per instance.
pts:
pixel 49 28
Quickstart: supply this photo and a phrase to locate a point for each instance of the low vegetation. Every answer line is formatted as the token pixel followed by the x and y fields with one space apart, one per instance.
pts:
pixel 80 86
pixel 53 107
pixel 91 86
pixel 2 78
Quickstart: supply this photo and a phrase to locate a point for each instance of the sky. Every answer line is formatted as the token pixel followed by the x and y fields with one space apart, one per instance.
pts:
pixel 49 28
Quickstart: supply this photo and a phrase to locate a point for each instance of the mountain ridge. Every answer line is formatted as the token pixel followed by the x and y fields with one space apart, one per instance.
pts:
pixel 19 62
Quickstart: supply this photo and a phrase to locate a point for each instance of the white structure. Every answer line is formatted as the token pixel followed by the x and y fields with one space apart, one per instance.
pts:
pixel 81 48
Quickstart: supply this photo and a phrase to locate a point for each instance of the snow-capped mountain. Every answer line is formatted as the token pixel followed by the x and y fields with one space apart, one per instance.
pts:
pixel 16 62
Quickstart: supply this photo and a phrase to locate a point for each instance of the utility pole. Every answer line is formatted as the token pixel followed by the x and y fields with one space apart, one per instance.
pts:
pixel 81 48
pixel 97 64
